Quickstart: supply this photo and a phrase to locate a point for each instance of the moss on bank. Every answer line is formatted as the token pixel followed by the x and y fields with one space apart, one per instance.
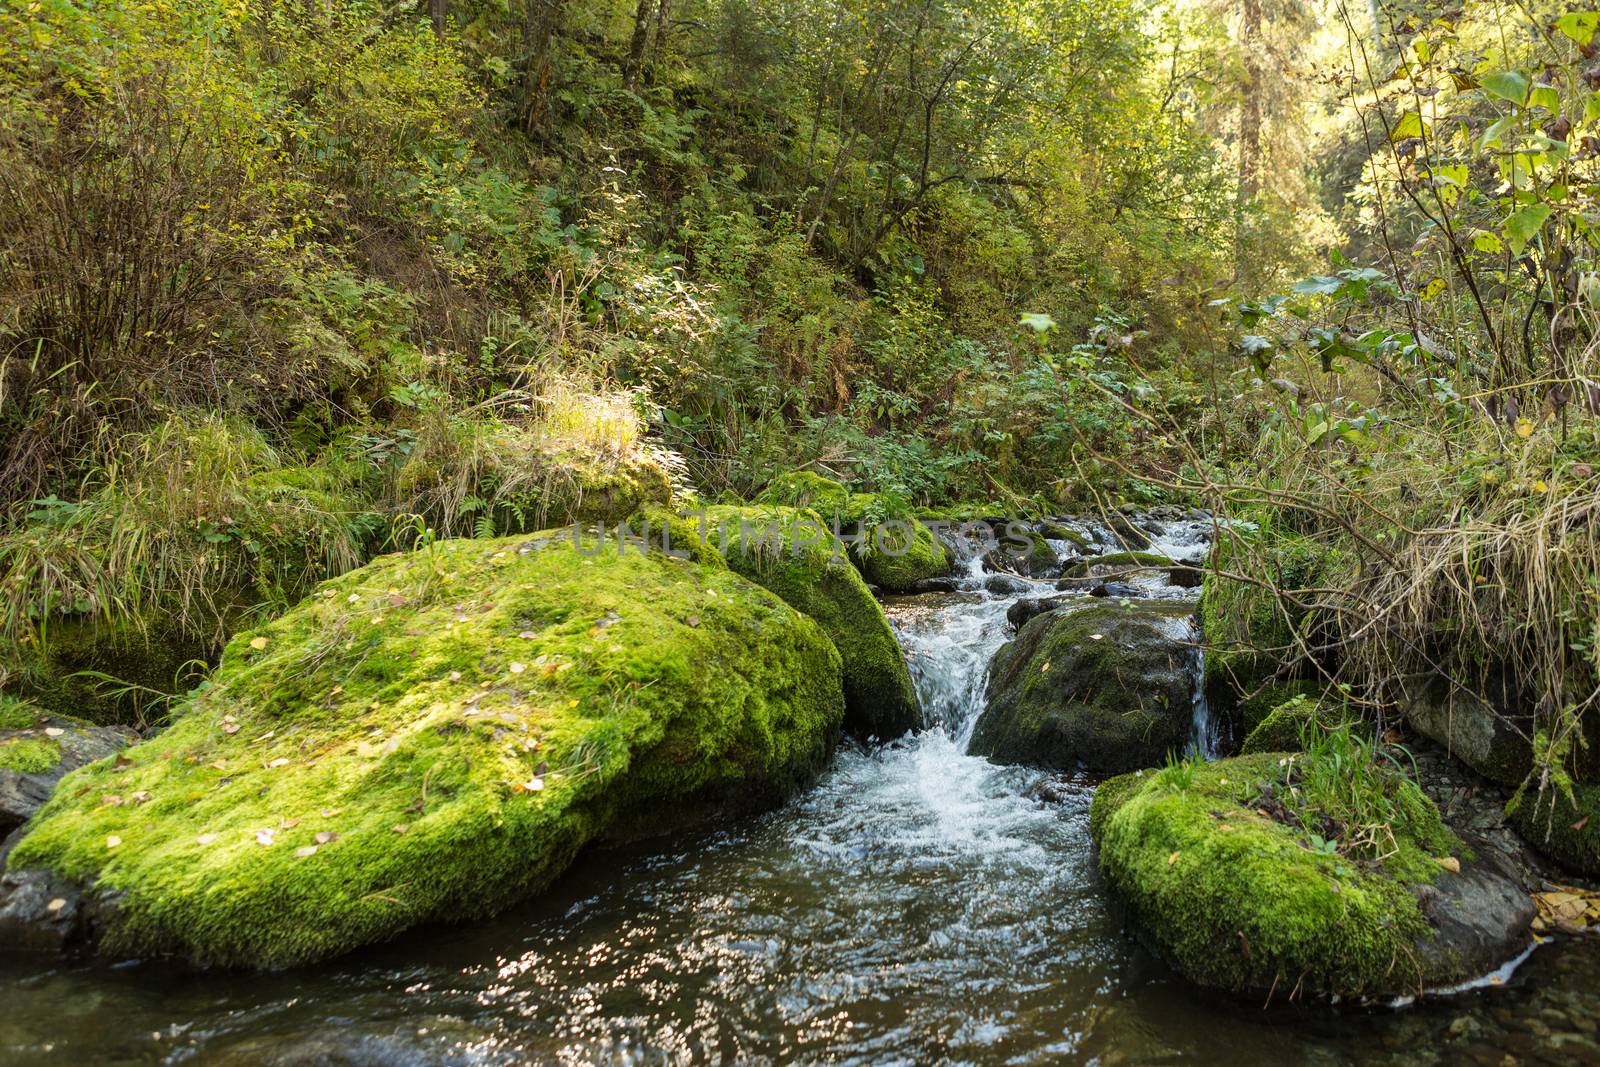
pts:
pixel 28 755
pixel 1283 728
pixel 791 552
pixel 1565 829
pixel 433 737
pixel 1238 900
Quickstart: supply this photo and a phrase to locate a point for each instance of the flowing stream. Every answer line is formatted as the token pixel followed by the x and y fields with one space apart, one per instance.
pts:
pixel 918 905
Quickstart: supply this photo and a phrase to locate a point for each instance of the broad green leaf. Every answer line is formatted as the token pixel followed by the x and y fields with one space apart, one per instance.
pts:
pixel 1509 85
pixel 1409 125
pixel 1579 25
pixel 1545 96
pixel 1488 241
pixel 1494 136
pixel 1522 225
pixel 1038 322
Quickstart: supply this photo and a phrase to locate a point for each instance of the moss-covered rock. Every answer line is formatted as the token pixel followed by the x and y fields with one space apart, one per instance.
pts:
pixel 1567 829
pixel 1116 561
pixel 1240 900
pixel 890 547
pixel 1252 710
pixel 1283 728
pixel 433 737
pixel 1104 687
pixel 791 552
pixel 111 672
pixel 37 749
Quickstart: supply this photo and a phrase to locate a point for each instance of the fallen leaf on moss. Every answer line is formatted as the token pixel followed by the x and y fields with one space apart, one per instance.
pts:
pixel 53 731
pixel 206 839
pixel 305 851
pixel 55 905
pixel 1172 859
pixel 327 837
pixel 266 837
pixel 1449 863
pixel 258 643
pixel 400 828
pixel 113 841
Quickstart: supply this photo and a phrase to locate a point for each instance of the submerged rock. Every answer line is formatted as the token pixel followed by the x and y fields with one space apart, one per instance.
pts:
pixel 1104 687
pixel 1218 869
pixel 786 550
pixel 37 749
pixel 434 737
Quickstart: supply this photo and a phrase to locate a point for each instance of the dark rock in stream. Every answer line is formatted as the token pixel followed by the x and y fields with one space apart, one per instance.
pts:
pixel 1120 590
pixel 1006 584
pixel 937 585
pixel 56 745
pixel 1021 611
pixel 1106 688
pixel 1479 915
pixel 1186 576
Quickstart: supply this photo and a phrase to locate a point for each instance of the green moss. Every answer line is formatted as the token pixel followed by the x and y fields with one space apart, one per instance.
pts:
pixel 28 755
pixel 1239 901
pixel 1565 829
pixel 1084 567
pixel 1057 532
pixel 895 551
pixel 1109 796
pixel 1254 709
pixel 408 708
pixel 790 552
pixel 1281 729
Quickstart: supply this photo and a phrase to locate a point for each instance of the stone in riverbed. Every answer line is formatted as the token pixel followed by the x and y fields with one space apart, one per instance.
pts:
pixel 37 749
pixel 433 737
pixel 1225 879
pixel 1103 687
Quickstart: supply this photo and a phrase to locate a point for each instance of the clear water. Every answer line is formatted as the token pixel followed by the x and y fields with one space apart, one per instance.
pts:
pixel 919 905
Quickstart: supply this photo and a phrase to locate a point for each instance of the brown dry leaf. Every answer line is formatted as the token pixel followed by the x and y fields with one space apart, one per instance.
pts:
pixel 693 620
pixel 53 731
pixel 401 828
pixel 230 728
pixel 220 765
pixel 305 851
pixel 55 905
pixel 1449 863
pixel 288 824
pixel 141 797
pixel 1581 823
pixel 328 813
pixel 327 837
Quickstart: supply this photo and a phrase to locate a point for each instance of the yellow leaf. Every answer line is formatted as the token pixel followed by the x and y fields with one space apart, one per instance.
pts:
pixel 258 643
pixel 1524 428
pixel 1449 863
pixel 113 841
pixel 1172 859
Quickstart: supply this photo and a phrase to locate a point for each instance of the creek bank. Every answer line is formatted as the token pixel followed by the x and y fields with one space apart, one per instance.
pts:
pixel 894 551
pixel 430 738
pixel 1230 886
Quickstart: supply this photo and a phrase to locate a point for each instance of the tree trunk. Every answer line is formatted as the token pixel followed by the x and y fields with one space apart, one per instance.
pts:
pixel 436 12
pixel 538 30
pixel 1249 124
pixel 642 23
pixel 663 24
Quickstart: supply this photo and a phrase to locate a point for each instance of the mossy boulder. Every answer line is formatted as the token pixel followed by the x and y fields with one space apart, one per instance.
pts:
pixel 791 552
pixel 1116 561
pixel 1565 828
pixel 37 749
pixel 1282 728
pixel 1104 687
pixel 891 548
pixel 1245 901
pixel 434 737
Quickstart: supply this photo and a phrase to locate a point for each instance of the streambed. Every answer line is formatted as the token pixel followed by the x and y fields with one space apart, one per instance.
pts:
pixel 918 905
